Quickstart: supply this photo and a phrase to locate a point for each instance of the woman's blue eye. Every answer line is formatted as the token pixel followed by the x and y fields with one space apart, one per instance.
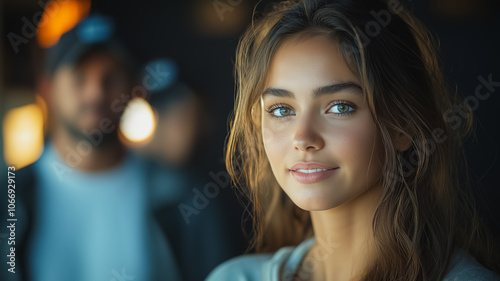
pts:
pixel 341 108
pixel 282 112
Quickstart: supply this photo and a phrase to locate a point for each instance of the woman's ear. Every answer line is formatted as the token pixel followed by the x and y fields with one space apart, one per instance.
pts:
pixel 402 141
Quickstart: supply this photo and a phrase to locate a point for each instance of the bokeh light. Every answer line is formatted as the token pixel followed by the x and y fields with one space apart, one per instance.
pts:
pixel 138 121
pixel 58 18
pixel 23 135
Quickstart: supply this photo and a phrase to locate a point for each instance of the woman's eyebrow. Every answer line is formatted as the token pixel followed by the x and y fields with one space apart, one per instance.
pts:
pixel 325 90
pixel 335 88
pixel 278 93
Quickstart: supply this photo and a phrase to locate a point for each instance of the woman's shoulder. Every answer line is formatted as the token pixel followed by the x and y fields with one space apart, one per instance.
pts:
pixel 262 267
pixel 463 267
pixel 242 268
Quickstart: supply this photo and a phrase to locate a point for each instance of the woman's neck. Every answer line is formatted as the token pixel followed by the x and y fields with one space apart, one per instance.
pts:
pixel 343 246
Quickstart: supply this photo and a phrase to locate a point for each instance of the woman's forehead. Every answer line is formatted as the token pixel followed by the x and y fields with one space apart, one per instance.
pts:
pixel 307 65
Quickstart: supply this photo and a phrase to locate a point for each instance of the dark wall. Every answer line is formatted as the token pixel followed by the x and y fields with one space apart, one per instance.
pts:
pixel 468 30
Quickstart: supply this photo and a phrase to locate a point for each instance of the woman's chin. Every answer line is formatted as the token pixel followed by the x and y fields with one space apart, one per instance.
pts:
pixel 316 202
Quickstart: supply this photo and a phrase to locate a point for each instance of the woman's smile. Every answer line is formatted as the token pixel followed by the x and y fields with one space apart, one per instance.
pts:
pixel 307 173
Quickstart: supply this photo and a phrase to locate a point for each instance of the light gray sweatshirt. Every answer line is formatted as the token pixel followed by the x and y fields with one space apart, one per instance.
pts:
pixel 282 265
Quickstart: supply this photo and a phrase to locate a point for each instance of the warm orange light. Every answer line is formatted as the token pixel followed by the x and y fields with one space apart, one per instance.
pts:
pixel 59 17
pixel 23 135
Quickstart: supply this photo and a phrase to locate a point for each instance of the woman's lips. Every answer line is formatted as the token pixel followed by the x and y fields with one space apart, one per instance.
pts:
pixel 311 173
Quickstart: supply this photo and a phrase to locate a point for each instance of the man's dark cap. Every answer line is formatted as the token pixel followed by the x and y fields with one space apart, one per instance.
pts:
pixel 95 33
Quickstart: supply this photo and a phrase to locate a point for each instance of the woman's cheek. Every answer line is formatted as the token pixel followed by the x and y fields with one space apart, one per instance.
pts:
pixel 277 145
pixel 352 146
pixel 362 150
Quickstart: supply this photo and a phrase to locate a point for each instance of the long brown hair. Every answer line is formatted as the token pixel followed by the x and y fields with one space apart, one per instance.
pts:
pixel 425 212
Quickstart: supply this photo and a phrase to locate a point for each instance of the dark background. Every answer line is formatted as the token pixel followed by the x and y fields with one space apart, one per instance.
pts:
pixel 203 45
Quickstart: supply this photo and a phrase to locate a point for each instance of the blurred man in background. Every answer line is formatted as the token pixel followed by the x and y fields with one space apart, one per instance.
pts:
pixel 88 209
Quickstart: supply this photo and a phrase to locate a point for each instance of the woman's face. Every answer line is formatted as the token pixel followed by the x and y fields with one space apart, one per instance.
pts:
pixel 318 133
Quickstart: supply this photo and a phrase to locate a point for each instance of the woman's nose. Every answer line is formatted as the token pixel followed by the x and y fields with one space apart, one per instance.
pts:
pixel 307 137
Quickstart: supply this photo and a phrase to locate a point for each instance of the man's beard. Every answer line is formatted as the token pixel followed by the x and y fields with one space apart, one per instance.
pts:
pixel 108 138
